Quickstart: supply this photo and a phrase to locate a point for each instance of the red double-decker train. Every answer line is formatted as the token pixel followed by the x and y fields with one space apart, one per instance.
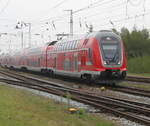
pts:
pixel 94 56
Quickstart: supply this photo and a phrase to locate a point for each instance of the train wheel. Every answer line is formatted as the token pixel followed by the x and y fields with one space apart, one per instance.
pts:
pixel 43 71
pixel 11 68
pixel 51 73
pixel 87 78
pixel 113 84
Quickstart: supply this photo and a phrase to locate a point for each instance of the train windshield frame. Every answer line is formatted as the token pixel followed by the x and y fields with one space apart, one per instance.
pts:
pixel 111 50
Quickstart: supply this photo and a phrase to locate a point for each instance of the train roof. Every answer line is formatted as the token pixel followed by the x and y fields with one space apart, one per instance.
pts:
pixel 97 34
pixel 102 33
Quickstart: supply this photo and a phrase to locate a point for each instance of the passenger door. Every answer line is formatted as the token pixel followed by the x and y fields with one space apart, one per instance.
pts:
pixel 83 58
pixel 75 62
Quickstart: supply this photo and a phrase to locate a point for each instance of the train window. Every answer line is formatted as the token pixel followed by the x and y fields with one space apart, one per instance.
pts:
pixel 58 47
pixel 76 43
pixel 67 46
pixel 75 62
pixel 71 45
pixel 62 46
pixel 85 41
pixel 67 65
pixel 42 57
pixel 55 62
pixel 90 54
pixel 55 48
pixel 39 61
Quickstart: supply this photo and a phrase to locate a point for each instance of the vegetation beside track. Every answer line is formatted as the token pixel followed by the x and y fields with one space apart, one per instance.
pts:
pixel 23 108
pixel 139 65
pixel 140 86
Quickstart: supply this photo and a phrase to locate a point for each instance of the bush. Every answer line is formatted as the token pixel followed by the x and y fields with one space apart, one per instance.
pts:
pixel 139 64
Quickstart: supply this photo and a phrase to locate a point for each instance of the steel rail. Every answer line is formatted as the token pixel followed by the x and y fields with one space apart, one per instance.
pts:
pixel 138 79
pixel 131 90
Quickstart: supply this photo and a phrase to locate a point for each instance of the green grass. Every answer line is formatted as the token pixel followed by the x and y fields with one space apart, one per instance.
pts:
pixel 139 74
pixel 130 84
pixel 23 108
pixel 139 65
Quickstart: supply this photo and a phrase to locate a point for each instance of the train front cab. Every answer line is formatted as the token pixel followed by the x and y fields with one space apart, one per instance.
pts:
pixel 113 60
pixel 104 58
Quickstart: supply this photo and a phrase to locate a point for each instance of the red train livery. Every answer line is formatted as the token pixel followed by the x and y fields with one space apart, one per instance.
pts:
pixel 97 55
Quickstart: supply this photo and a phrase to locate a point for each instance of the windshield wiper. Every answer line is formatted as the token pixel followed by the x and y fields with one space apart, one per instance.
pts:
pixel 115 56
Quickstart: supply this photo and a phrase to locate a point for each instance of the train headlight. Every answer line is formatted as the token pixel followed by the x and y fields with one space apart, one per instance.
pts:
pixel 105 62
pixel 119 62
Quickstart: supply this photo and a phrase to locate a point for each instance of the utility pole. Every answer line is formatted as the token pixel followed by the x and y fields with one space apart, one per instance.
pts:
pixel 29 25
pixel 71 21
pixel 22 39
pixel 20 25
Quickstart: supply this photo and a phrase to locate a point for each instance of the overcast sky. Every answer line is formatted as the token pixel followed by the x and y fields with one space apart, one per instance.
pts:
pixel 48 17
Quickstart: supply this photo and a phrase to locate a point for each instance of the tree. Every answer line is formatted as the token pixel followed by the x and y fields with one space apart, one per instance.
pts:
pixel 137 43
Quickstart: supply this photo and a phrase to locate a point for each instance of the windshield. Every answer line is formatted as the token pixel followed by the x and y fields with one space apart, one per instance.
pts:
pixel 109 50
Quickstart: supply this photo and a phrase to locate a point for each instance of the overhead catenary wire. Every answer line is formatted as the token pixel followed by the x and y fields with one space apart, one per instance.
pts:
pixel 54 19
pixel 116 16
pixel 127 18
pixel 59 4
pixel 52 9
pixel 78 10
pixel 60 18
pixel 113 8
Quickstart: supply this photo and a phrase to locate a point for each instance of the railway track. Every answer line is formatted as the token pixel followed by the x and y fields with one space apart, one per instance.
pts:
pixel 131 90
pixel 119 107
pixel 125 89
pixel 138 79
